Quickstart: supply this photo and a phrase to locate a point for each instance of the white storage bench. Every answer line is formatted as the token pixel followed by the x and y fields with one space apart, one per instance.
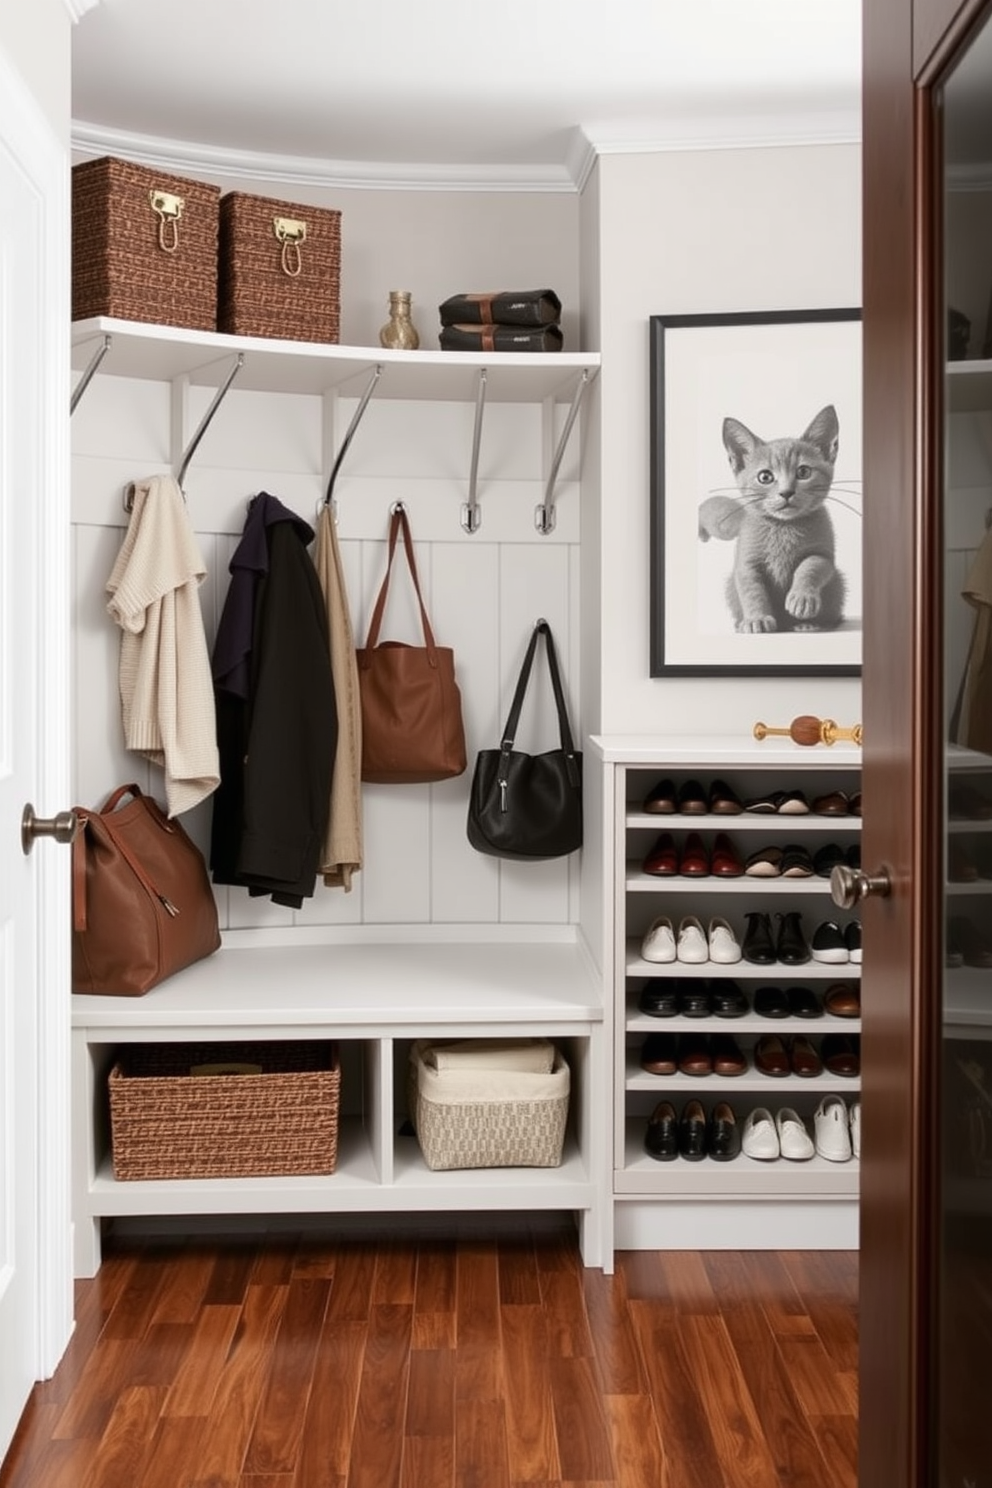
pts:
pixel 374 999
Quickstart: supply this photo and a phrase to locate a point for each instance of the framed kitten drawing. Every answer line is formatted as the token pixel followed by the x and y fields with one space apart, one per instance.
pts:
pixel 756 494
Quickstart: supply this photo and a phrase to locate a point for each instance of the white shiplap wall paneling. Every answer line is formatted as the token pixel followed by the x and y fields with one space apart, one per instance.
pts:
pixel 483 591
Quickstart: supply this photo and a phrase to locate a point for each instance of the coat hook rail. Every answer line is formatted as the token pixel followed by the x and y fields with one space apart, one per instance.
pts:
pixel 356 419
pixel 207 419
pixel 87 376
pixel 471 515
pixel 544 515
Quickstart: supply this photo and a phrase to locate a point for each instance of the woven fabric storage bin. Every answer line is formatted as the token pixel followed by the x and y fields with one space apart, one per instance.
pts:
pixel 144 245
pixel 166 1122
pixel 492 1118
pixel 280 269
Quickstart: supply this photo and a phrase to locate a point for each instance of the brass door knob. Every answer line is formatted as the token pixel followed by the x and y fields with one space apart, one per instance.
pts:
pixel 63 827
pixel 848 886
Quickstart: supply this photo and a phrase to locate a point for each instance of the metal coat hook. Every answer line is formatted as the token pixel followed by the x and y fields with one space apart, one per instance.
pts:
pixel 471 515
pixel 87 376
pixel 356 419
pixel 544 514
pixel 204 425
pixel 205 422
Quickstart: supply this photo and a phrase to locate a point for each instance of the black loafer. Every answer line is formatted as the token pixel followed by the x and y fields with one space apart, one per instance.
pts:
pixel 791 945
pixel 771 1002
pixel 803 1003
pixel 661 799
pixel 828 858
pixel 723 1138
pixel 727 999
pixel 659 997
pixel 694 999
pixel 692 1131
pixel 661 1140
pixel 758 946
pixel 692 799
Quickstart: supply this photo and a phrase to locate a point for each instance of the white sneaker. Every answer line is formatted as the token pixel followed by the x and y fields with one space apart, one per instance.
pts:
pixel 832 1132
pixel 793 1138
pixel 724 946
pixel 691 944
pixel 854 1119
pixel 760 1138
pixel 659 942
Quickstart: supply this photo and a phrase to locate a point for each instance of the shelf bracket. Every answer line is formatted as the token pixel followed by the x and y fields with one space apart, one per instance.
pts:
pixel 471 515
pixel 207 419
pixel 544 514
pixel 87 376
pixel 356 419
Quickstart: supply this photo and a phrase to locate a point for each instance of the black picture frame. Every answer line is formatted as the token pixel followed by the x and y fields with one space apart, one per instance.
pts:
pixel 776 373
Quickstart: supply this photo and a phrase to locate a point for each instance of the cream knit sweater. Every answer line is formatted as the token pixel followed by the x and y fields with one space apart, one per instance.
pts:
pixel 167 699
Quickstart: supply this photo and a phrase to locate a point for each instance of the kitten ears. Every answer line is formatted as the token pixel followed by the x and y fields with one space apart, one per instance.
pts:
pixel 738 441
pixel 824 431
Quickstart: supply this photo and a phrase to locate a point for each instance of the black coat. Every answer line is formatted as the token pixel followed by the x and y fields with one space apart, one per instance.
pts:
pixel 277 721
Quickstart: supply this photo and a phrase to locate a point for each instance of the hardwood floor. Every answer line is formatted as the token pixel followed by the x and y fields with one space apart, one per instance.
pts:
pixel 425 1362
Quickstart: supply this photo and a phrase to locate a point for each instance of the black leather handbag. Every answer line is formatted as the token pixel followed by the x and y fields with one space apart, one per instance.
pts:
pixel 522 805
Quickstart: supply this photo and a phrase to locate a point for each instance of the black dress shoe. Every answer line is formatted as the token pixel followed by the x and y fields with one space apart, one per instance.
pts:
pixel 659 997
pixel 803 1003
pixel 758 946
pixel 692 1131
pixel 791 947
pixel 727 999
pixel 771 1002
pixel 723 1139
pixel 661 1140
pixel 694 999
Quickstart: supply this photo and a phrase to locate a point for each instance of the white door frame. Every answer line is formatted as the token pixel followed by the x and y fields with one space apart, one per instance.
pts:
pixel 30 141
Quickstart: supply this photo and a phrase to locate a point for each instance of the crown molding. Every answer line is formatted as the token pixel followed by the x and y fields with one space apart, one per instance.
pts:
pixel 181 156
pixel 78 8
pixel 739 131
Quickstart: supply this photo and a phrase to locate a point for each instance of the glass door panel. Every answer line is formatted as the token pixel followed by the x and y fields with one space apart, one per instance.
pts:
pixel 963 1337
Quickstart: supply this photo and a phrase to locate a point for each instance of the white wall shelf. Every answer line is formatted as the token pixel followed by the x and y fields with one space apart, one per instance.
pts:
pixel 163 353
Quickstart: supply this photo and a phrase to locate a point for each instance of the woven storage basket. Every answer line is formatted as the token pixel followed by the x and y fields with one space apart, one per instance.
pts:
pixel 166 1122
pixel 520 1122
pixel 280 269
pixel 144 245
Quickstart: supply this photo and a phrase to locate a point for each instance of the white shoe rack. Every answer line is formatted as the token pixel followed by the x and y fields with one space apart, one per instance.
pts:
pixel 745 1203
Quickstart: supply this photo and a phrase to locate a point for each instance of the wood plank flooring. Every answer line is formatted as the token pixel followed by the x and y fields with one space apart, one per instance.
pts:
pixel 426 1362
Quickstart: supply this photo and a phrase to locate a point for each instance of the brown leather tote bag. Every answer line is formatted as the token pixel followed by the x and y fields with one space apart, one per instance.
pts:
pixel 412 730
pixel 142 905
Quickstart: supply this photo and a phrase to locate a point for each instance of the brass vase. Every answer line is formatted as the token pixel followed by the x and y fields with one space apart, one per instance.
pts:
pixel 399 333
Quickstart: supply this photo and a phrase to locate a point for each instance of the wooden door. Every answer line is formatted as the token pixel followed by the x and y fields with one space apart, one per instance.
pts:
pixel 908 50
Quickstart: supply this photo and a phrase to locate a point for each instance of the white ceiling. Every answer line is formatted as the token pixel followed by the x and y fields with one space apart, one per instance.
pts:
pixel 445 91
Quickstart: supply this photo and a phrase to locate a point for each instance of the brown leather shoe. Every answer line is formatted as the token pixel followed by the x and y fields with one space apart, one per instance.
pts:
pixel 662 860
pixel 723 800
pixel 694 860
pixel 694 1055
pixel 843 1001
pixel 833 803
pixel 725 860
pixel 771 1057
pixel 805 1060
pixel 658 1054
pixel 728 1058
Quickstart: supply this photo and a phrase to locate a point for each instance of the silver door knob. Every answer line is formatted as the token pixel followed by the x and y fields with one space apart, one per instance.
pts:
pixel 848 886
pixel 63 827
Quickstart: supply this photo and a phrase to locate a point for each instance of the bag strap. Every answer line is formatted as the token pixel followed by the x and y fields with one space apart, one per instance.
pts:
pixel 398 523
pixel 106 820
pixel 513 717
